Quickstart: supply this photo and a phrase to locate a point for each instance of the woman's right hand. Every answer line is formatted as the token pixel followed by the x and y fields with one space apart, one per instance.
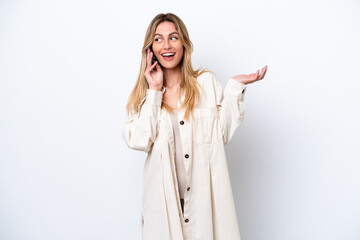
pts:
pixel 153 73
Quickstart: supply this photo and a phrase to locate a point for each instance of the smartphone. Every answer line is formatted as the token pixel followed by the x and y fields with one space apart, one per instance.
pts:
pixel 154 59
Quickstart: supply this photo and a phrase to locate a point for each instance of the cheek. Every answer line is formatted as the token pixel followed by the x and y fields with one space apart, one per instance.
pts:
pixel 156 47
pixel 156 51
pixel 181 54
pixel 180 51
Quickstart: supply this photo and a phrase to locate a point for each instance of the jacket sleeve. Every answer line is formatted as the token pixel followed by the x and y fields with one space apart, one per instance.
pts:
pixel 140 131
pixel 230 105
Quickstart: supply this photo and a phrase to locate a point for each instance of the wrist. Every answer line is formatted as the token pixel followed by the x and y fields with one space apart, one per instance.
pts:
pixel 155 88
pixel 240 81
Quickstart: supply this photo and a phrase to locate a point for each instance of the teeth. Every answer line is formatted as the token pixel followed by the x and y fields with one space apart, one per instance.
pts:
pixel 168 54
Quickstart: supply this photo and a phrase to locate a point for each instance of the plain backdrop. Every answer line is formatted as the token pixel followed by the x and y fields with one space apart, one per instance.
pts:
pixel 67 68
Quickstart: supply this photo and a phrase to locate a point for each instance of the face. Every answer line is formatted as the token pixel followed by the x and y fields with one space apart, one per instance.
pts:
pixel 167 46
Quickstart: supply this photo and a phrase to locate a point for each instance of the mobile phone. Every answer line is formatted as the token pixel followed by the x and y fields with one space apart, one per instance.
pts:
pixel 154 59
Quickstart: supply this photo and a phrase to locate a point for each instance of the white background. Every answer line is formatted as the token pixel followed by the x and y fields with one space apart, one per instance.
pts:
pixel 67 68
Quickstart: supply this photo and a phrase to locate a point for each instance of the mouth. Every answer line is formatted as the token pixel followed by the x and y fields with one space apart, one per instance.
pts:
pixel 168 56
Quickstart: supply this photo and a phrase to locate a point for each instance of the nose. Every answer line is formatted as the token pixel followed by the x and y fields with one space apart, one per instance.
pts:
pixel 167 44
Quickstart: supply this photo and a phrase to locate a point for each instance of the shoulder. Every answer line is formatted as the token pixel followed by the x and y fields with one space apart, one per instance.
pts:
pixel 208 79
pixel 211 88
pixel 206 76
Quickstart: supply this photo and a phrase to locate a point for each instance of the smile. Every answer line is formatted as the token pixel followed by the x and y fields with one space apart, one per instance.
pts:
pixel 168 56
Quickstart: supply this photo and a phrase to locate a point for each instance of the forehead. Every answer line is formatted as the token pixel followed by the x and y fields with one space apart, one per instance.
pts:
pixel 165 28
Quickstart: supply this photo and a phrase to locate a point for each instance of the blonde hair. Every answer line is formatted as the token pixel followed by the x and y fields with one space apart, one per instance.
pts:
pixel 189 84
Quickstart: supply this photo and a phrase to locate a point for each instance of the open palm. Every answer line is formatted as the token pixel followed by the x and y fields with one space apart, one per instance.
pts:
pixel 250 78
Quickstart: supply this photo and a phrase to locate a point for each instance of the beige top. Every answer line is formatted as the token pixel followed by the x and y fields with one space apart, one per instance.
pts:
pixel 179 158
pixel 209 207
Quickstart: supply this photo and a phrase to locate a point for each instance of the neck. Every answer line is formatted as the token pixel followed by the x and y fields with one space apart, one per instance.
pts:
pixel 172 77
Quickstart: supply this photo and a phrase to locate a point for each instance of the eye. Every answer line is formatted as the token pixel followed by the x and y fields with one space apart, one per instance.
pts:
pixel 173 37
pixel 157 39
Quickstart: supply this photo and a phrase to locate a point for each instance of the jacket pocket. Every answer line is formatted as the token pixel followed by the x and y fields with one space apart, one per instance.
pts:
pixel 204 127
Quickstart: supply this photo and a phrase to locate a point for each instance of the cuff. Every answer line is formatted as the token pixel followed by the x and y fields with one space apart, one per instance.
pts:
pixel 236 88
pixel 154 97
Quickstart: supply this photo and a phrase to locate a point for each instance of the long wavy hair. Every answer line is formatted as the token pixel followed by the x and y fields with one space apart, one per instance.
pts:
pixel 189 84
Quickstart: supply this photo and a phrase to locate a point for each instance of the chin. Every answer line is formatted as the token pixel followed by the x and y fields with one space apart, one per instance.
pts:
pixel 170 66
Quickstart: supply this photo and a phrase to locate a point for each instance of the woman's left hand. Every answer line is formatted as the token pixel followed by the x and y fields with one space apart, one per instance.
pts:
pixel 253 77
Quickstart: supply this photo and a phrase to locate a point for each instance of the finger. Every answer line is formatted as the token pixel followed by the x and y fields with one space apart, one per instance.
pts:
pixel 257 74
pixel 158 68
pixel 252 77
pixel 153 66
pixel 263 72
pixel 150 65
pixel 148 57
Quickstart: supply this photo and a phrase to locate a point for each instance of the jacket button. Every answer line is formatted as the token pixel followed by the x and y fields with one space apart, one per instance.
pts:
pixel 186 155
pixel 182 122
pixel 188 189
pixel 186 220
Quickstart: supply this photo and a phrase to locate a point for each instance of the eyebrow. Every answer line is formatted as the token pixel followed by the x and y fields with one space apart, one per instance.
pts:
pixel 169 34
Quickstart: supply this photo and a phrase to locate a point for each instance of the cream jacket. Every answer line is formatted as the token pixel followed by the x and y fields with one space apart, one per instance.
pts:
pixel 209 209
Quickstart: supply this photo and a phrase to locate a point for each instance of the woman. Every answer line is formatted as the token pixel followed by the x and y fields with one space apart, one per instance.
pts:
pixel 183 118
